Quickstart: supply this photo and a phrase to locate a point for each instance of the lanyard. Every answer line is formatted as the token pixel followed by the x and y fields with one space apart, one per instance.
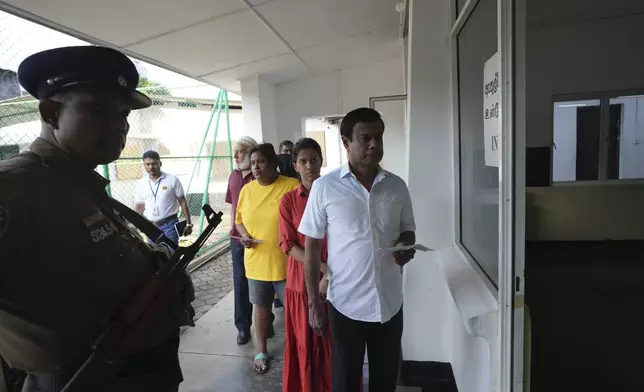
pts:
pixel 154 192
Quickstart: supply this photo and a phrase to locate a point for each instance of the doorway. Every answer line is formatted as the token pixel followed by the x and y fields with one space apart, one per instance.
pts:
pixel 589 136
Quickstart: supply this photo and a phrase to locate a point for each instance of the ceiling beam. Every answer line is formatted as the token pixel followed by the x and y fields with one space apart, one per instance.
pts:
pixel 178 29
pixel 275 32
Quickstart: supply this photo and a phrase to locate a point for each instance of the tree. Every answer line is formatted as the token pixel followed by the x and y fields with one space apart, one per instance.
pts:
pixel 152 88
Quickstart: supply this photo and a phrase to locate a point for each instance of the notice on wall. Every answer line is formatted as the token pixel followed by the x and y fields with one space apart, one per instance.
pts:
pixel 492 110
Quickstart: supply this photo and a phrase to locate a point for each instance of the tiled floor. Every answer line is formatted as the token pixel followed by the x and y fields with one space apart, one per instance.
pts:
pixel 212 281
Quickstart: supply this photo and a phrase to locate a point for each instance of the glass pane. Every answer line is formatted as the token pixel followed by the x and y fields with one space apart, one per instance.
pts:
pixel 477 42
pixel 626 137
pixel 576 126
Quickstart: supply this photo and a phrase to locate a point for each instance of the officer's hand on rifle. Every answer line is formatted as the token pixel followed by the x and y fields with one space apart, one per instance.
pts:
pixel 162 250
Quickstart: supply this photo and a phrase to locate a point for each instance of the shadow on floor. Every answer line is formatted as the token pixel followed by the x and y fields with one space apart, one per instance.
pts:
pixel 213 362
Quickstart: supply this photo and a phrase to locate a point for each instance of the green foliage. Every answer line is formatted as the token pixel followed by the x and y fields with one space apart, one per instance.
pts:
pixel 150 87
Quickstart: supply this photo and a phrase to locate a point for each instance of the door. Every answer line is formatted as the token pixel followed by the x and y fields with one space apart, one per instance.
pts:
pixel 512 312
pixel 588 131
pixel 614 140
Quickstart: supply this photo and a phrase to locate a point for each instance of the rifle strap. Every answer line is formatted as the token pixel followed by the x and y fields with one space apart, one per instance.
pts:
pixel 146 227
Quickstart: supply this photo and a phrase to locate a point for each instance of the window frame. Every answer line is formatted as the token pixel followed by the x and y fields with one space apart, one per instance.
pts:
pixel 604 98
pixel 508 364
pixel 458 24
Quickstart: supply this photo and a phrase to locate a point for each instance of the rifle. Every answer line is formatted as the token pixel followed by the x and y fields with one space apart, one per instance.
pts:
pixel 148 228
pixel 122 336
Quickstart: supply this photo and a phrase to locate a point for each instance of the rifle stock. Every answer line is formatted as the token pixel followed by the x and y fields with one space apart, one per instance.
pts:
pixel 123 336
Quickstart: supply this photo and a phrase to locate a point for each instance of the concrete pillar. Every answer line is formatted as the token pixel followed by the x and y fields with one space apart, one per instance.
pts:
pixel 258 101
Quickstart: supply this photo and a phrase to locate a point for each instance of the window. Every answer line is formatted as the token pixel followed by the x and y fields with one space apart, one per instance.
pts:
pixel 479 184
pixel 598 139
pixel 576 140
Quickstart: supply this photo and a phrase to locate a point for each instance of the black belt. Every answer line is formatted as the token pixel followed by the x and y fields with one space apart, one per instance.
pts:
pixel 166 220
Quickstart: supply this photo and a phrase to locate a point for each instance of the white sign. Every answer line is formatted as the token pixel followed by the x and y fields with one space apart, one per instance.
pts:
pixel 492 110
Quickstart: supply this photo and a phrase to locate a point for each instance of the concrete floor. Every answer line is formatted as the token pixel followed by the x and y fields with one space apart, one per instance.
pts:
pixel 213 362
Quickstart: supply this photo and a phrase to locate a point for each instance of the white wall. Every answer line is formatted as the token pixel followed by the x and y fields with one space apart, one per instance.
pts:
pixel 469 355
pixel 395 159
pixel 442 293
pixel 579 52
pixel 334 157
pixel 427 298
pixel 334 93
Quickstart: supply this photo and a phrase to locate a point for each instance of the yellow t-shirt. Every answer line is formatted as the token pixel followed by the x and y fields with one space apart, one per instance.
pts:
pixel 258 211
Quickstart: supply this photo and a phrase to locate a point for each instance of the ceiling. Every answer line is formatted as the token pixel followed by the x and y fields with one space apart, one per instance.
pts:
pixel 222 41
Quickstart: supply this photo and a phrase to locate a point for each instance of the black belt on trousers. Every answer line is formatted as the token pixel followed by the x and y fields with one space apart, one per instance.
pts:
pixel 166 220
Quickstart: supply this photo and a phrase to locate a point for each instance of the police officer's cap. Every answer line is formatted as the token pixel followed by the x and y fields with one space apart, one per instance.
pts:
pixel 45 73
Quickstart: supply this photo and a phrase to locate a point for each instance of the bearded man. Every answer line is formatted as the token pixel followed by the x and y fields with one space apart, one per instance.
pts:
pixel 239 177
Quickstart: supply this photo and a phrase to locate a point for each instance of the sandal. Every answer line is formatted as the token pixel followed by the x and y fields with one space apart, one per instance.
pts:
pixel 261 363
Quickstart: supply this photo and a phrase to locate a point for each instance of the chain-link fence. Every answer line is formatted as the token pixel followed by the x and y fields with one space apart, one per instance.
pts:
pixel 193 136
pixel 203 167
pixel 172 127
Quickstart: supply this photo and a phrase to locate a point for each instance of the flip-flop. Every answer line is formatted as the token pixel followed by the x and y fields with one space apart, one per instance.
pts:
pixel 263 363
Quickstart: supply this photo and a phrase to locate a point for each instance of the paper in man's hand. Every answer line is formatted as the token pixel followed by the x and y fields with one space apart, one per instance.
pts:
pixel 418 247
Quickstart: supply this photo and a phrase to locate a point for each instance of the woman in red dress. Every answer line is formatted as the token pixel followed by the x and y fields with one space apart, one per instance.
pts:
pixel 307 356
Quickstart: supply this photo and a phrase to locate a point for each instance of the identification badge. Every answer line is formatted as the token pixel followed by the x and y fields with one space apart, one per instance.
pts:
pixel 155 211
pixel 100 228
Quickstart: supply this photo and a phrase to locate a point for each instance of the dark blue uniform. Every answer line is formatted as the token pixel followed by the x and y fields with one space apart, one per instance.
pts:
pixel 68 261
pixel 68 264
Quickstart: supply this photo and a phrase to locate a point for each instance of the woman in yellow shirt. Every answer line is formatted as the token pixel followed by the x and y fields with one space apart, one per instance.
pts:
pixel 257 221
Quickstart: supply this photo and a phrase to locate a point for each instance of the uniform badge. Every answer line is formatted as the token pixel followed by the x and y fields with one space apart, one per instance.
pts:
pixel 100 228
pixel 4 221
pixel 122 81
pixel 165 188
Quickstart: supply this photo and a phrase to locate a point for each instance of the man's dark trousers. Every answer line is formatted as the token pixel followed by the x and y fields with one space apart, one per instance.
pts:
pixel 243 307
pixel 348 341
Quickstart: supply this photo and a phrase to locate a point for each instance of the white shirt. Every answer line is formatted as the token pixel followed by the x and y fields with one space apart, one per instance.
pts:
pixel 160 196
pixel 364 284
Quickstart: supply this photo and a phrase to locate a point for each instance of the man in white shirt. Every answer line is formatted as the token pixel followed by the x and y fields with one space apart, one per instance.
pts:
pixel 361 209
pixel 159 196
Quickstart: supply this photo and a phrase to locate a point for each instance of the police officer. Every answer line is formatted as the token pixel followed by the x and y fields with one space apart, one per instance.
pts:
pixel 68 262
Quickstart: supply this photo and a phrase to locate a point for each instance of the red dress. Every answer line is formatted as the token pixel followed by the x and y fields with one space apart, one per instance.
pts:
pixel 307 357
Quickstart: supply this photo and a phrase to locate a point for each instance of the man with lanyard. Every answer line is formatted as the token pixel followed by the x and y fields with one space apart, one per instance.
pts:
pixel 159 196
pixel 69 261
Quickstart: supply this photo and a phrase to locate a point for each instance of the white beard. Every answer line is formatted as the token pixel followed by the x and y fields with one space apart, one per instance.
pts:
pixel 245 165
